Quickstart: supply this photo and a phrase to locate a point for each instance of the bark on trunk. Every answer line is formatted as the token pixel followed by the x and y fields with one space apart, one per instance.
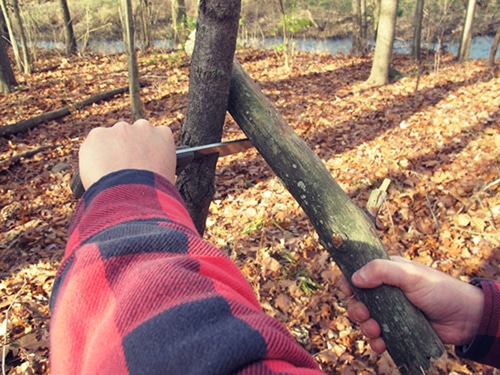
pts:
pixel 379 74
pixel 464 49
pixel 417 29
pixel 133 72
pixel 209 82
pixel 343 228
pixel 71 47
pixel 494 48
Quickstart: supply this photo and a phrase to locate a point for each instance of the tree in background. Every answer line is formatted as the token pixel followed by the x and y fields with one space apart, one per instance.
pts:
pixel 179 21
pixel 209 81
pixel 6 73
pixel 359 37
pixel 464 49
pixel 417 29
pixel 145 14
pixel 494 48
pixel 71 47
pixel 7 78
pixel 379 74
pixel 12 37
pixel 22 37
pixel 133 71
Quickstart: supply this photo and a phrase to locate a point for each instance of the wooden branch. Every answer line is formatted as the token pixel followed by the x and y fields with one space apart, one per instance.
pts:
pixel 343 228
pixel 65 111
pixel 25 155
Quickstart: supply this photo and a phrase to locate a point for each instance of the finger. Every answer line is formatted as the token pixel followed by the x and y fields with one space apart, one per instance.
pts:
pixel 383 271
pixel 358 311
pixel 370 328
pixel 344 286
pixel 377 344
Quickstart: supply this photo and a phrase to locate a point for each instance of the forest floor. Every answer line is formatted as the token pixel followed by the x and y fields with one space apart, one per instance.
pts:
pixel 435 136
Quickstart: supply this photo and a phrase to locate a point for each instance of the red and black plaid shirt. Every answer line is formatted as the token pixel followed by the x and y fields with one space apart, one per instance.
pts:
pixel 139 292
pixel 485 348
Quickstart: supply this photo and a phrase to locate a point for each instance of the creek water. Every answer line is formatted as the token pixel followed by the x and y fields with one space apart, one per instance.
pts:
pixel 480 46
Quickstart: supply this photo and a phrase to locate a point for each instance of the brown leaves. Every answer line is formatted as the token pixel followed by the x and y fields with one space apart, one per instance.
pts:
pixel 440 146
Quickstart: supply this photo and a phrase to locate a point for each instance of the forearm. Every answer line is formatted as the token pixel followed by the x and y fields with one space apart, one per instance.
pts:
pixel 140 289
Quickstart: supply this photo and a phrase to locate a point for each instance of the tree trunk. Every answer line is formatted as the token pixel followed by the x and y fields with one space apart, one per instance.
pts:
pixel 209 80
pixel 464 49
pixel 178 21
pixel 7 78
pixel 358 41
pixel 145 21
pixel 417 29
pixel 343 228
pixel 364 24
pixel 22 38
pixel 71 47
pixel 133 71
pixel 379 74
pixel 12 37
pixel 494 48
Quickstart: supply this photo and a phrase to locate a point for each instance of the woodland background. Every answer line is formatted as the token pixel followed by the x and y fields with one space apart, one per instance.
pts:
pixel 434 131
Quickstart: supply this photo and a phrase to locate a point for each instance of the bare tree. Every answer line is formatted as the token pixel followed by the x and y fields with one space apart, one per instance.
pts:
pixel 12 37
pixel 359 40
pixel 209 81
pixel 145 11
pixel 7 78
pixel 464 49
pixel 379 74
pixel 71 47
pixel 22 37
pixel 179 21
pixel 417 29
pixel 133 71
pixel 494 48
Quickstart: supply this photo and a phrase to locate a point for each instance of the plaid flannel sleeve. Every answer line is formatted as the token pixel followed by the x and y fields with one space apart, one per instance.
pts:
pixel 139 292
pixel 485 348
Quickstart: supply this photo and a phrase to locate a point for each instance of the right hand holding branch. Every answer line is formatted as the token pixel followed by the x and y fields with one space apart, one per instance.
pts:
pixel 453 308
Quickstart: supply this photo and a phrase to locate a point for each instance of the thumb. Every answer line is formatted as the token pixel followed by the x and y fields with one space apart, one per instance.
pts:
pixel 382 271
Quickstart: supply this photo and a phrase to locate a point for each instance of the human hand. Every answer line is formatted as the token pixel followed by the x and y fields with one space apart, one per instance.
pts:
pixel 453 308
pixel 124 146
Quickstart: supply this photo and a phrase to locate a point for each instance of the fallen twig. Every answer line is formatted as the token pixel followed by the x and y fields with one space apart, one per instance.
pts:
pixel 25 155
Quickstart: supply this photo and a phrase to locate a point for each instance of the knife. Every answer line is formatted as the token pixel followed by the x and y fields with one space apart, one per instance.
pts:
pixel 184 155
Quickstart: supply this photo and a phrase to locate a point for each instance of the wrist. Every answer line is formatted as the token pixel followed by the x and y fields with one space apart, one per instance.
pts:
pixel 475 313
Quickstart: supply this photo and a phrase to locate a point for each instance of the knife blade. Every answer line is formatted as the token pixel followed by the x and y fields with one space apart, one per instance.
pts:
pixel 184 156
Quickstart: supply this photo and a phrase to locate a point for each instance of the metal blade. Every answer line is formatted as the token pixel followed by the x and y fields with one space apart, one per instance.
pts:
pixel 221 148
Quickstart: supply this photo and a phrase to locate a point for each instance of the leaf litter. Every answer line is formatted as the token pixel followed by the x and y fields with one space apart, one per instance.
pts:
pixel 436 137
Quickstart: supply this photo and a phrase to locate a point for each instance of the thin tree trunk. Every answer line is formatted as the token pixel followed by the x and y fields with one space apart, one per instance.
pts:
pixel 379 74
pixel 145 20
pixel 417 29
pixel 356 27
pixel 22 38
pixel 494 48
pixel 7 78
pixel 71 46
pixel 178 21
pixel 209 80
pixel 133 71
pixel 12 37
pixel 464 49
pixel 364 24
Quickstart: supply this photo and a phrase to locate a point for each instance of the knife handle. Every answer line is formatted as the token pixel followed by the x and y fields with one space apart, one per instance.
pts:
pixel 183 159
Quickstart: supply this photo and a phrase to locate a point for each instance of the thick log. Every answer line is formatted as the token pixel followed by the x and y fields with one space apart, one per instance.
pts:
pixel 343 228
pixel 28 124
